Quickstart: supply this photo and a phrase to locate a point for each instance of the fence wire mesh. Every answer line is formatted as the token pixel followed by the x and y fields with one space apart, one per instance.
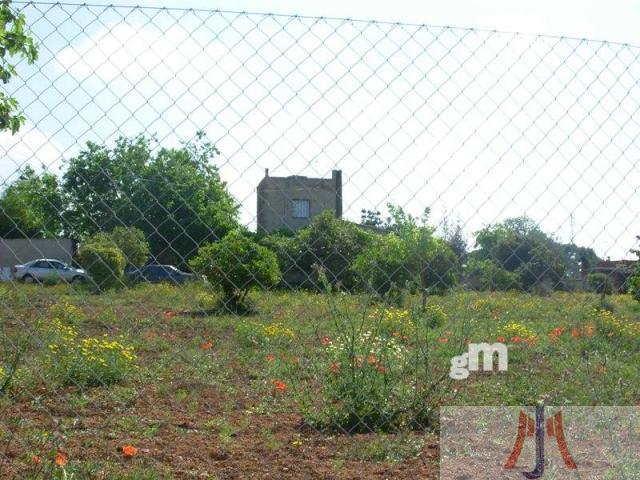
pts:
pixel 229 239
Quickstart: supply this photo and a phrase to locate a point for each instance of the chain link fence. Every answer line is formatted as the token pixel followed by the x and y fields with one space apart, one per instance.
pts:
pixel 233 241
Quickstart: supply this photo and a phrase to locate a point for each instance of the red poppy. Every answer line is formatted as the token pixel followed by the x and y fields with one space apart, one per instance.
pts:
pixel 334 367
pixel 61 459
pixel 279 385
pixel 129 451
pixel 270 357
pixel 501 339
pixel 206 345
pixel 325 341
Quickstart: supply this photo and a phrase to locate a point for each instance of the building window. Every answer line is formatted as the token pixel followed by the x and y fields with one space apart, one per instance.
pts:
pixel 300 209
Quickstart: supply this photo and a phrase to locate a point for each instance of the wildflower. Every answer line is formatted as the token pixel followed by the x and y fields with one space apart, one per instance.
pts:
pixel 36 459
pixel 589 331
pixel 61 459
pixel 129 451
pixel 372 360
pixel 501 339
pixel 325 341
pixel 169 314
pixel 334 367
pixel 516 339
pixel 279 385
pixel 206 345
pixel 380 369
pixel 575 332
pixel 270 358
pixel 443 339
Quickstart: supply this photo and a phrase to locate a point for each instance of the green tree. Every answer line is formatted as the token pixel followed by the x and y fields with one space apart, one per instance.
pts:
pixel 519 245
pixel 408 254
pixel 331 244
pixel 236 264
pixel 15 41
pixel 174 195
pixel 30 207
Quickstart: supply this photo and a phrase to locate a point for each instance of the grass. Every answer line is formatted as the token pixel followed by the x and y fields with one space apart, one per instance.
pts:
pixel 241 385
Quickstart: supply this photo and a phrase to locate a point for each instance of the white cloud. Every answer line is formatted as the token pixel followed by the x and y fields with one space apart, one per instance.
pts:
pixel 28 147
pixel 488 125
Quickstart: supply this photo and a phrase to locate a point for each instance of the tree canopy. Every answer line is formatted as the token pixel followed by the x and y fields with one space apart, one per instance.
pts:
pixel 174 195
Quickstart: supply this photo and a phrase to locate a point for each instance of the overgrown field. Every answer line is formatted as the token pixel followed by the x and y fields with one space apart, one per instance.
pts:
pixel 149 382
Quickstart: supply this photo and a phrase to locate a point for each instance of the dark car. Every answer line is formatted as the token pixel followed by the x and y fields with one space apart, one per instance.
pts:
pixel 159 273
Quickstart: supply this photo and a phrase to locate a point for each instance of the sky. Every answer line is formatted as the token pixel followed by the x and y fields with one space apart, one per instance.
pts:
pixel 475 125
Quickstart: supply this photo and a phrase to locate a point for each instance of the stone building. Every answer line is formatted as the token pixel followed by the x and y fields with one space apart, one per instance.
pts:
pixel 289 203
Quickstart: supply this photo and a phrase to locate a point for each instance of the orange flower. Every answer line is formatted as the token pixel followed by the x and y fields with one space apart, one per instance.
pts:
pixel 501 339
pixel 531 341
pixel 590 330
pixel 443 339
pixel 61 459
pixel 129 451
pixel 358 361
pixel 380 369
pixel 279 385
pixel 169 314
pixel 325 341
pixel 206 345
pixel 334 367
pixel 575 332
pixel 395 334
pixel 372 360
pixel 36 459
pixel 516 339
pixel 270 357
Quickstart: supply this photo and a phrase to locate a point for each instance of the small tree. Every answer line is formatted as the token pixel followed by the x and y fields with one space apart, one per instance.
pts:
pixel 104 262
pixel 236 264
pixel 133 244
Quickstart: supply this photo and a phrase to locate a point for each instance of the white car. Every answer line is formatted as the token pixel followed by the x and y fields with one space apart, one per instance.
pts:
pixel 47 268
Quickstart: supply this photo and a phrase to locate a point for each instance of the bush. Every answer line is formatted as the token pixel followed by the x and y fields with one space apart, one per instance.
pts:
pixel 133 244
pixel 487 275
pixel 332 244
pixel 104 262
pixel 377 373
pixel 441 270
pixel 599 283
pixel 236 264
pixel 383 265
pixel 634 286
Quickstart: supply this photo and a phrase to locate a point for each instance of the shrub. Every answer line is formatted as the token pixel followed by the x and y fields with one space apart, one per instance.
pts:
pixel 376 373
pixel 133 244
pixel 236 264
pixel 383 265
pixel 599 283
pixel 441 269
pixel 90 361
pixel 634 286
pixel 332 244
pixel 487 275
pixel 104 262
pixel 408 255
